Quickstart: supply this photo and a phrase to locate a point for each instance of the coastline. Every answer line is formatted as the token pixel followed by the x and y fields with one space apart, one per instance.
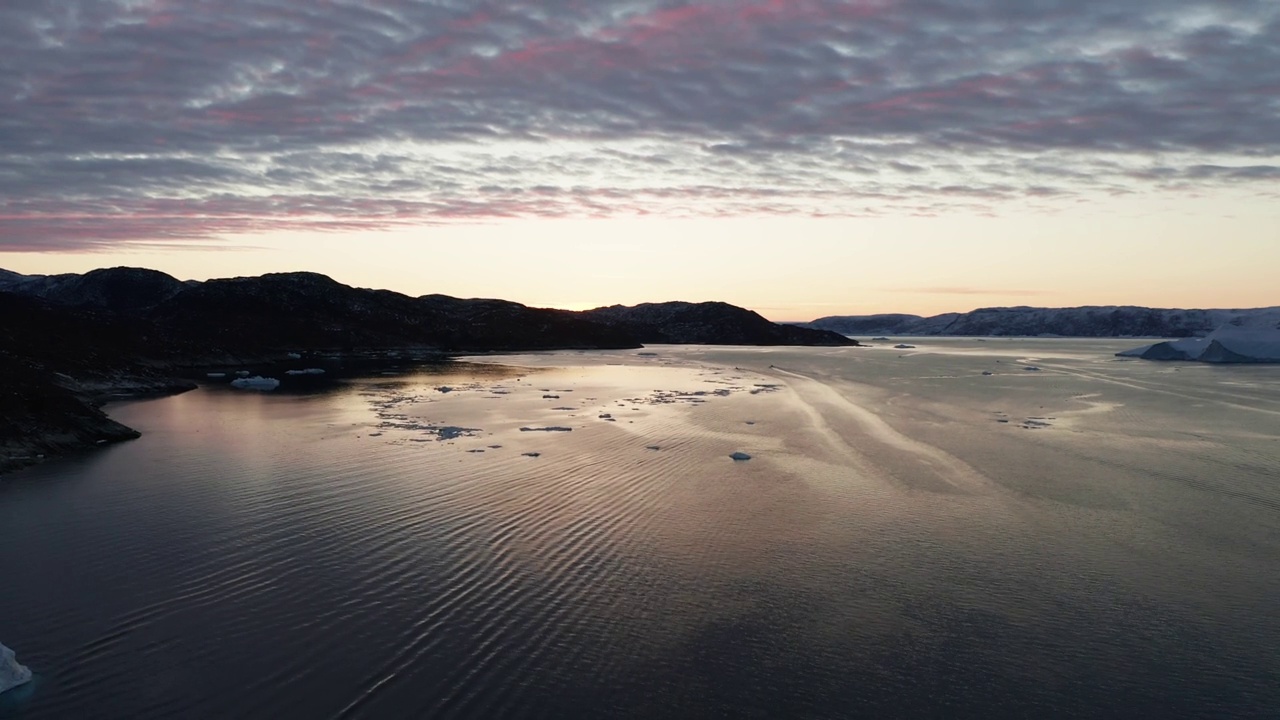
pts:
pixel 60 420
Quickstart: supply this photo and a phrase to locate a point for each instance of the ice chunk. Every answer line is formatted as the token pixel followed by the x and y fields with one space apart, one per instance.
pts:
pixel 740 456
pixel 1228 344
pixel 11 673
pixel 308 371
pixel 257 382
pixel 904 346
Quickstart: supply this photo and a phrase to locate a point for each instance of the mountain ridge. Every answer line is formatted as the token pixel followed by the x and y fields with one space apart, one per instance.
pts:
pixel 1023 320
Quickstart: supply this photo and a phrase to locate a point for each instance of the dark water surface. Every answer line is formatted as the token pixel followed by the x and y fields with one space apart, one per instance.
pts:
pixel 258 556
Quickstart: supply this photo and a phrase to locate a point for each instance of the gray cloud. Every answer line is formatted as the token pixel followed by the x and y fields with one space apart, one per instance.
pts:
pixel 967 291
pixel 132 120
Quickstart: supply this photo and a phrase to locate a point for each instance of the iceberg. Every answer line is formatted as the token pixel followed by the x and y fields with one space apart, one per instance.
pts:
pixel 257 382
pixel 1227 344
pixel 11 673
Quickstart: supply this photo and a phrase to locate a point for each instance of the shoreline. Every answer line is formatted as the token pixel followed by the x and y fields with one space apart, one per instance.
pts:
pixel 75 421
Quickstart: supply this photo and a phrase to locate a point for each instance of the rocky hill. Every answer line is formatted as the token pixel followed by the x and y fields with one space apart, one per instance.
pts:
pixel 707 323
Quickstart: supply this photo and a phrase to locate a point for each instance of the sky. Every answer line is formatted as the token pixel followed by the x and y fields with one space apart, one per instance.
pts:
pixel 798 157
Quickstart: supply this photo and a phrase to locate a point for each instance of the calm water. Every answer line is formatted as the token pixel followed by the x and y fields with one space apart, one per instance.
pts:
pixel 911 539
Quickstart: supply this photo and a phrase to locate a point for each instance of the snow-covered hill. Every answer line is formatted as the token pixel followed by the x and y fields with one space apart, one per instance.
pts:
pixel 1090 321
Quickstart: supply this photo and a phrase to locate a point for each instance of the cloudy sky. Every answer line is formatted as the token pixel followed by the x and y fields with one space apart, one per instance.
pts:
pixel 801 157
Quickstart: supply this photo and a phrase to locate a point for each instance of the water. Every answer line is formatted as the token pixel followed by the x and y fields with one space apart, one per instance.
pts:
pixel 892 549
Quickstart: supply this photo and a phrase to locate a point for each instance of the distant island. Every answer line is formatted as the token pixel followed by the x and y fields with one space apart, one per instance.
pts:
pixel 70 342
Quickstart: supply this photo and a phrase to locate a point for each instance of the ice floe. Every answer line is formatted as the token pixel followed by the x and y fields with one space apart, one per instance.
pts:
pixel 1228 344
pixel 11 673
pixel 257 382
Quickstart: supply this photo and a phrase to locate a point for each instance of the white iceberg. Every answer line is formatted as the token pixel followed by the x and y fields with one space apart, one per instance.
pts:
pixel 1227 344
pixel 257 382
pixel 11 673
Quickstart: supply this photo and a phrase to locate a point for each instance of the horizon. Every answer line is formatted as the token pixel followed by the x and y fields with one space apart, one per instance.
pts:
pixel 652 301
pixel 800 159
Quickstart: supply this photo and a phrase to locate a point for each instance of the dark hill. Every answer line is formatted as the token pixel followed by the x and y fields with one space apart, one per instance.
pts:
pixel 118 288
pixel 710 323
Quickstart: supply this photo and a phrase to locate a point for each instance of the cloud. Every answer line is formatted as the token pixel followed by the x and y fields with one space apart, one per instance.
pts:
pixel 967 291
pixel 136 120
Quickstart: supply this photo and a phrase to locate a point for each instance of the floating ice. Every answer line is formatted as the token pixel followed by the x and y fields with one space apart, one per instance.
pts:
pixel 308 371
pixel 1228 344
pixel 257 382
pixel 11 673
pixel 215 375
pixel 740 456
pixel 553 428
pixel 904 346
pixel 1031 368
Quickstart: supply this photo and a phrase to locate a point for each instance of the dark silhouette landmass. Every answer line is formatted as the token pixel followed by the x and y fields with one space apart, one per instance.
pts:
pixel 707 323
pixel 69 343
